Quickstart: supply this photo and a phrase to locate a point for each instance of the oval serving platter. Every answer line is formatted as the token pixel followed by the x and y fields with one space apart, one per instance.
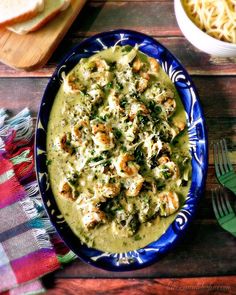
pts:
pixel 139 258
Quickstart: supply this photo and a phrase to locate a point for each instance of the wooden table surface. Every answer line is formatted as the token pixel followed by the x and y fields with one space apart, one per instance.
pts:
pixel 204 262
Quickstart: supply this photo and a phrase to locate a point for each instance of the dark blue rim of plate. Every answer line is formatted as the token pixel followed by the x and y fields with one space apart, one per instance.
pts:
pixel 151 253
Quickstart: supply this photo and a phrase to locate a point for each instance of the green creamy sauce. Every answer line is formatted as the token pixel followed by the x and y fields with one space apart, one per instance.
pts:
pixel 61 164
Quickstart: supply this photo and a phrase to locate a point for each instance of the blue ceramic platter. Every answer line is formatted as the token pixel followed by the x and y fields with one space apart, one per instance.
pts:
pixel 198 147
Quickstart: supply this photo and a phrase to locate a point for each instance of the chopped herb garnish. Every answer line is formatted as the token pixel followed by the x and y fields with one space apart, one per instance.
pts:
pixel 112 66
pixel 103 118
pixel 135 95
pixel 107 163
pixel 93 115
pixel 143 119
pixel 48 162
pixel 137 238
pixel 107 154
pixel 73 179
pixel 155 110
pixel 123 148
pixel 112 180
pixel 109 85
pixel 153 161
pixel 110 207
pixel 134 223
pixel 123 102
pixel 166 172
pixel 145 198
pixel 119 86
pixel 117 133
pixel 126 48
pixel 96 159
pixel 139 155
pixel 160 185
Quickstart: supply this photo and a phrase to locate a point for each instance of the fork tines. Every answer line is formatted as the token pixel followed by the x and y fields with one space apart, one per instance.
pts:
pixel 222 162
pixel 221 205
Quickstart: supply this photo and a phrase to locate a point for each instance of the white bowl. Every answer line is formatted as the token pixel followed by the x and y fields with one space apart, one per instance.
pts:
pixel 200 39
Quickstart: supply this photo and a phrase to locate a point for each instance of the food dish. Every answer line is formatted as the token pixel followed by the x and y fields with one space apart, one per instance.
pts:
pixel 118 150
pixel 200 39
pixel 132 259
pixel 215 18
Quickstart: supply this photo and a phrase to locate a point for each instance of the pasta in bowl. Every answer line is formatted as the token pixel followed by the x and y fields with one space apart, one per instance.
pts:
pixel 208 25
pixel 122 180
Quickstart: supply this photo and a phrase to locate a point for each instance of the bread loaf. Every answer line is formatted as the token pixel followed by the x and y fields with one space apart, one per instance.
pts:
pixel 14 11
pixel 51 8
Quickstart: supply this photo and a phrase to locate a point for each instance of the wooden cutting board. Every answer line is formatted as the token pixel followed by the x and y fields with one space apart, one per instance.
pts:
pixel 31 51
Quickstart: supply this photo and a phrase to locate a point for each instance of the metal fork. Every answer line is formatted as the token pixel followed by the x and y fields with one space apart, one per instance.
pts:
pixel 224 169
pixel 224 213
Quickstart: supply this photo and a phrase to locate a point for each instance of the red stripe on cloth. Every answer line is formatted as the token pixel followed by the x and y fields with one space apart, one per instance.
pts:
pixel 5 293
pixel 25 169
pixel 10 190
pixel 11 144
pixel 5 164
pixel 14 148
pixel 59 245
pixel 35 265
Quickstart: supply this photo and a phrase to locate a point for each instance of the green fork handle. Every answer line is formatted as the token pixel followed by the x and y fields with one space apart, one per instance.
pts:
pixel 229 181
pixel 231 187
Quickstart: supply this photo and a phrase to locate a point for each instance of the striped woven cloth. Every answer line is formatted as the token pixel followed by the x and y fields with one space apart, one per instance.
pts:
pixel 26 235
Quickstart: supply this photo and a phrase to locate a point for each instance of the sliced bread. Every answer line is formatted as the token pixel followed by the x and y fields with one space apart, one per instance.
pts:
pixel 51 8
pixel 13 11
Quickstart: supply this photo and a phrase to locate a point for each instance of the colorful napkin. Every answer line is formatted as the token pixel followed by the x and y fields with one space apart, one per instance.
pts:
pixel 29 245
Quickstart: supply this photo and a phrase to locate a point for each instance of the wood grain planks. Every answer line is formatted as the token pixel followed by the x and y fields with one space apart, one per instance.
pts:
pixel 196 63
pixel 190 286
pixel 151 19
